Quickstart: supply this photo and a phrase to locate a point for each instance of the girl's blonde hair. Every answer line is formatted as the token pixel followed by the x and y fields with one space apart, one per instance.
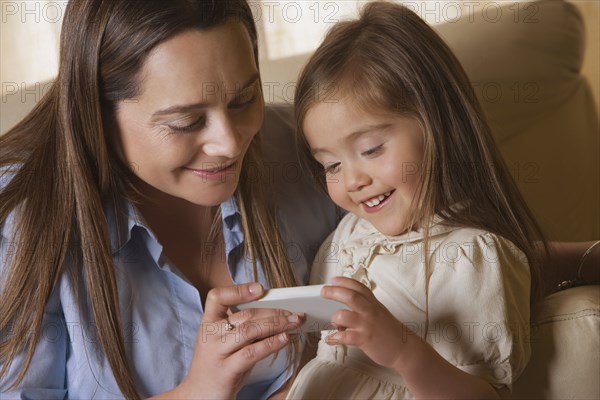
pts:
pixel 65 168
pixel 389 60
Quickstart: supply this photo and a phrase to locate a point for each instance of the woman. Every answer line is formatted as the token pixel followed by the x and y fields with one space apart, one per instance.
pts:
pixel 122 191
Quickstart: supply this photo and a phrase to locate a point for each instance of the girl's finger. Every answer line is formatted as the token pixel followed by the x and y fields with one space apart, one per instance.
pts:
pixel 352 284
pixel 355 300
pixel 347 337
pixel 219 300
pixel 346 319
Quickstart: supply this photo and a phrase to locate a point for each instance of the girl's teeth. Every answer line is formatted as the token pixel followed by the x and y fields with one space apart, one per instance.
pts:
pixel 376 201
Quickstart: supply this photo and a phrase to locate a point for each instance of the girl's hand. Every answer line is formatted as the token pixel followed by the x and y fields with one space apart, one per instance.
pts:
pixel 367 325
pixel 388 342
pixel 222 358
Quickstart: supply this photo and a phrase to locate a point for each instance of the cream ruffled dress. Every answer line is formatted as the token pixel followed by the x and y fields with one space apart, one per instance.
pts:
pixel 476 316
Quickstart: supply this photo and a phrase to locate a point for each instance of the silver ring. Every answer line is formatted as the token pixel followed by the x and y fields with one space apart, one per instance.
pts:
pixel 228 326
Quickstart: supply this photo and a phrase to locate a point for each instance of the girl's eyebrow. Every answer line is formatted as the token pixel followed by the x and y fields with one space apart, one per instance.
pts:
pixel 190 107
pixel 366 129
pixel 355 135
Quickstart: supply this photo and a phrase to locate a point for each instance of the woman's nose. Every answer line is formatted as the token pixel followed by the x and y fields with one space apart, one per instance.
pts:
pixel 355 178
pixel 223 139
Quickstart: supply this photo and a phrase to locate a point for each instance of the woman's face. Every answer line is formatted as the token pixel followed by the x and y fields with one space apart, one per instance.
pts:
pixel 199 107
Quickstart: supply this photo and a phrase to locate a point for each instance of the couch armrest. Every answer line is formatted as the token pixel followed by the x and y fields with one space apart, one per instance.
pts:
pixel 565 347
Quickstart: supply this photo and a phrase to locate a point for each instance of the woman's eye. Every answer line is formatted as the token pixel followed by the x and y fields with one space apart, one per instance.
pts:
pixel 373 151
pixel 243 101
pixel 187 128
pixel 332 168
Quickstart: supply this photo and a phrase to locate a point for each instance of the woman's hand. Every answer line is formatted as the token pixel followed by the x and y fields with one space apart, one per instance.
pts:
pixel 222 358
pixel 367 325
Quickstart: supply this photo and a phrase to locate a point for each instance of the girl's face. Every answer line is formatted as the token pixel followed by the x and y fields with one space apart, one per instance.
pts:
pixel 372 162
pixel 199 107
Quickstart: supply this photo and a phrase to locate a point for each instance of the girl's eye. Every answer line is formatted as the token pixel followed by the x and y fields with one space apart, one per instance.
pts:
pixel 332 168
pixel 373 151
pixel 188 128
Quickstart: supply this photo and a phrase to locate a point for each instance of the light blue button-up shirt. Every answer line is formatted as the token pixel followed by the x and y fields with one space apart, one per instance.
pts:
pixel 161 312
pixel 160 309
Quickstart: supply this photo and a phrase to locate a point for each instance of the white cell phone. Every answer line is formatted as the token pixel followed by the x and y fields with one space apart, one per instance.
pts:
pixel 306 299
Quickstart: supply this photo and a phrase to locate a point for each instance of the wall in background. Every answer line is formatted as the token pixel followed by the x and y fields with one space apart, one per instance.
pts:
pixel 294 28
pixel 590 9
pixel 289 30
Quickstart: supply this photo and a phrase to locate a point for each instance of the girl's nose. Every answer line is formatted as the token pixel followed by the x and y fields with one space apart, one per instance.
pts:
pixel 355 178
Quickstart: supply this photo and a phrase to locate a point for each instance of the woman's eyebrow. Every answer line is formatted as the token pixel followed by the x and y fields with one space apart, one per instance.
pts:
pixel 190 107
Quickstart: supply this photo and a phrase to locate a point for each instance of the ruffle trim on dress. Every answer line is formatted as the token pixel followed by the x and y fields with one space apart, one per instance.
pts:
pixel 356 267
pixel 366 242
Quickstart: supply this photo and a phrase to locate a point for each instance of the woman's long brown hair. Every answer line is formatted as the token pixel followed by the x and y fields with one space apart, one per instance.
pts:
pixel 64 167
pixel 390 61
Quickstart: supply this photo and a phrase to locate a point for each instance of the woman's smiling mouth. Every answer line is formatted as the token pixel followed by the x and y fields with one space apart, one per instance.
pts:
pixel 219 173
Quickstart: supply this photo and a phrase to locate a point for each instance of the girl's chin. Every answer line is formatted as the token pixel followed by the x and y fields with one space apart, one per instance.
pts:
pixel 389 230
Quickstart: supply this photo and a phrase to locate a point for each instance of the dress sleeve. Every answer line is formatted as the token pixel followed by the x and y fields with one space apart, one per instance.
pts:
pixel 46 375
pixel 479 306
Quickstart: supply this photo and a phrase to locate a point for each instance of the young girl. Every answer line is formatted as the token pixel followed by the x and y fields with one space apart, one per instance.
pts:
pixel 438 242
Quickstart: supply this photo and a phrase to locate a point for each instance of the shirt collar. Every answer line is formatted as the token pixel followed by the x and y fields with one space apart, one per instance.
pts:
pixel 8 231
pixel 7 228
pixel 370 234
pixel 123 221
pixel 232 224
pixel 230 212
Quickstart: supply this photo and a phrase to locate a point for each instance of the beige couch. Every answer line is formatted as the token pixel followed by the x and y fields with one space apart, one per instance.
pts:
pixel 526 74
